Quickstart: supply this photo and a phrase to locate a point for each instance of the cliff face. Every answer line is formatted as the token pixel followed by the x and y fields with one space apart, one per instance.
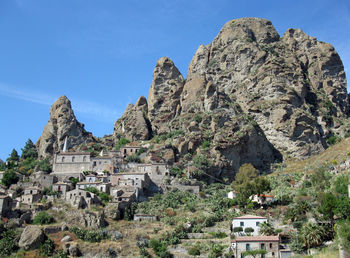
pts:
pixel 62 123
pixel 255 96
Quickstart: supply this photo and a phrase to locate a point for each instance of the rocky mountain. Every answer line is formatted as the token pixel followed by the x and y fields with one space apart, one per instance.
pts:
pixel 253 95
pixel 250 96
pixel 62 123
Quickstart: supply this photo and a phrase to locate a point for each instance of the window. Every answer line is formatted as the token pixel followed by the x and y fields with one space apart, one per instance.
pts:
pixel 257 223
pixel 273 253
pixel 241 223
pixel 62 159
pixel 73 159
pixel 247 247
pixel 262 246
pixel 84 158
pixel 270 245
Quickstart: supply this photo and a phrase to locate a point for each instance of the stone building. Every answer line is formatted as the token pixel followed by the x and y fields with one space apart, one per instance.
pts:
pixel 5 205
pixel 31 195
pixel 71 164
pixel 61 187
pixel 136 179
pixel 82 199
pixel 129 150
pixel 44 179
pixel 244 243
pixel 100 186
pixel 145 217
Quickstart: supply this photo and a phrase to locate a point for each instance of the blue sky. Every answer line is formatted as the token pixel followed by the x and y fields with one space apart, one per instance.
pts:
pixel 101 54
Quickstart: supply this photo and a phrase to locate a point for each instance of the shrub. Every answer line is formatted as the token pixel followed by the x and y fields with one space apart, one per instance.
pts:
pixel 248 230
pixel 333 140
pixel 237 229
pixel 159 248
pixel 9 178
pixel 133 158
pixel 218 234
pixel 205 145
pixel 88 235
pixel 43 218
pixel 194 250
pixel 8 243
pixel 122 142
pixel 198 118
pixel 47 247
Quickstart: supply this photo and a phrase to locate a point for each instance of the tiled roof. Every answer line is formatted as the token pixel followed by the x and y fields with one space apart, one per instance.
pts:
pixel 250 217
pixel 256 239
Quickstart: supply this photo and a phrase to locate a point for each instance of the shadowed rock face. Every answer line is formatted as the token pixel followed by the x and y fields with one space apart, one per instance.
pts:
pixel 62 123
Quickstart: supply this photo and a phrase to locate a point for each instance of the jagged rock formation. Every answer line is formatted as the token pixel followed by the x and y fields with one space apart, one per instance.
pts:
pixel 252 94
pixel 134 123
pixel 62 123
pixel 164 95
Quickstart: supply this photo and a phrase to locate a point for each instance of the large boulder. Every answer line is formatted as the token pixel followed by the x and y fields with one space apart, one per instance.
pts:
pixel 31 237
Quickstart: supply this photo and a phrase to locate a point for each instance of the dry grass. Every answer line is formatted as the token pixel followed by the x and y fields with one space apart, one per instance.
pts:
pixel 338 152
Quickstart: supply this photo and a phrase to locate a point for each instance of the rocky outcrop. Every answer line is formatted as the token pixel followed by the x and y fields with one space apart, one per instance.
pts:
pixel 291 86
pixel 87 219
pixel 31 238
pixel 164 94
pixel 62 124
pixel 134 124
pixel 250 97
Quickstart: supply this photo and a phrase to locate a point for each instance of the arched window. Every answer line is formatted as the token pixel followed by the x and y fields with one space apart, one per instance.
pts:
pixel 62 159
pixel 84 158
pixel 73 159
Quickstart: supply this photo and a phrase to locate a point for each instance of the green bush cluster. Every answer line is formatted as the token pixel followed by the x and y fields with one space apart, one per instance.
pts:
pixel 121 142
pixel 89 235
pixel 43 218
pixel 8 242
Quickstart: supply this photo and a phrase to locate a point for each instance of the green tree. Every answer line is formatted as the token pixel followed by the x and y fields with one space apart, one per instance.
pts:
pixel 343 235
pixel 341 185
pixel 29 150
pixel 45 165
pixel 327 205
pixel 246 173
pixel 311 235
pixel 266 229
pixel 9 178
pixel 13 156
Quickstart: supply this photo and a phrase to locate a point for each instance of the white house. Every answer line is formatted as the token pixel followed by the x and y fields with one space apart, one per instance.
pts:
pixel 232 195
pixel 248 221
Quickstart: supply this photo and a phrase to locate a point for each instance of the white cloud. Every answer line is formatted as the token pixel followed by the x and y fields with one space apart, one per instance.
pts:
pixel 88 108
pixel 30 96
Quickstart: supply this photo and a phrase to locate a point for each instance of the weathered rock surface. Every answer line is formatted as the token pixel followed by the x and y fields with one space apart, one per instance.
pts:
pixel 134 124
pixel 31 238
pixel 86 219
pixel 164 94
pixel 62 123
